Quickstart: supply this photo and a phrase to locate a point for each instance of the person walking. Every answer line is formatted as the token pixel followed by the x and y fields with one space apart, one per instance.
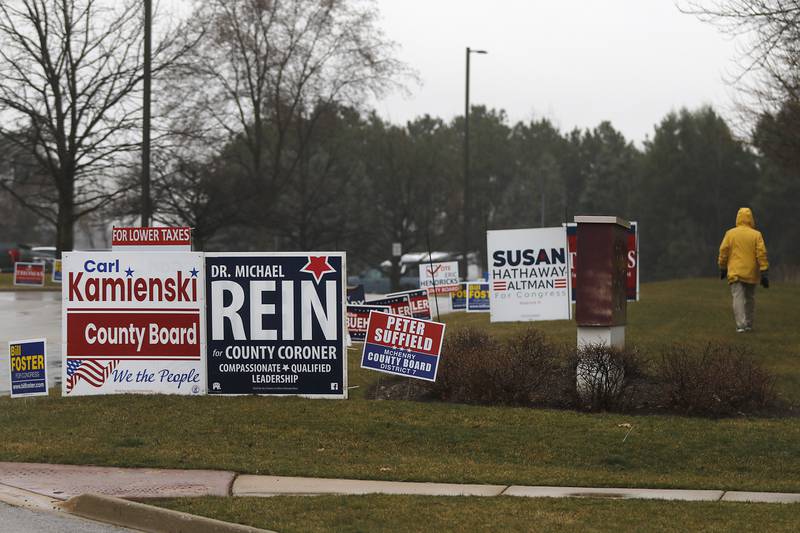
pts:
pixel 743 261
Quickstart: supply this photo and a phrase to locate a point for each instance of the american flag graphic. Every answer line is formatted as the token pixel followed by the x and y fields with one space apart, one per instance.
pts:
pixel 93 372
pixel 561 283
pixel 499 285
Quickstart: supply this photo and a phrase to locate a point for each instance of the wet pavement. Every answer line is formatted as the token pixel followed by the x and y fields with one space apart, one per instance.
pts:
pixel 31 315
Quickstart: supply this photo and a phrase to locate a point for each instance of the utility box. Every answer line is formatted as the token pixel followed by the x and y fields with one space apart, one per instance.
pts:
pixel 601 272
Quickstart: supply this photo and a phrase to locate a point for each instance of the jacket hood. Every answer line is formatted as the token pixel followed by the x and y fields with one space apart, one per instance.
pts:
pixel 745 217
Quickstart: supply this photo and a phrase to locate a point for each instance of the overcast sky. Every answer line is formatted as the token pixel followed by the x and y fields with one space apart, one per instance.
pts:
pixel 576 62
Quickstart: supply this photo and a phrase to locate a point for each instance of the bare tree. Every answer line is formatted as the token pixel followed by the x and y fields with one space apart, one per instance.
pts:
pixel 70 81
pixel 266 69
pixel 768 32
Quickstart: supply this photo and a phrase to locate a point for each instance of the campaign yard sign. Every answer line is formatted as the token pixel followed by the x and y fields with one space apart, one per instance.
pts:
pixel 355 295
pixel 276 323
pixel 458 299
pixel 28 367
pixel 398 305
pixel 29 274
pixel 528 274
pixel 402 346
pixel 632 257
pixel 477 297
pixel 443 275
pixel 358 318
pixel 151 239
pixel 419 302
pixel 131 323
pixel 56 274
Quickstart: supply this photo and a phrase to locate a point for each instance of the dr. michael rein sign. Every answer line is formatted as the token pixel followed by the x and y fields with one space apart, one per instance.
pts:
pixel 276 323
pixel 403 346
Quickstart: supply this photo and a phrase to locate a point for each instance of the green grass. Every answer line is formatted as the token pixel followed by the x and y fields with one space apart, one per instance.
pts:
pixel 419 513
pixel 398 440
pixel 695 311
pixel 7 283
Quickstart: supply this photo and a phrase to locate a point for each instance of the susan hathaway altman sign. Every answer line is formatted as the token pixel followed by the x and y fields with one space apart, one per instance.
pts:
pixel 528 274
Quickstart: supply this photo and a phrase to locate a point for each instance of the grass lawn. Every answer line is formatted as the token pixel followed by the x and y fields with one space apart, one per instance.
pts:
pixel 695 311
pixel 506 513
pixel 399 440
pixel 7 283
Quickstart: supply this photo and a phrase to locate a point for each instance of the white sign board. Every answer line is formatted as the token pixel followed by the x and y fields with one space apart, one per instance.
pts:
pixel 529 275
pixel 132 323
pixel 443 275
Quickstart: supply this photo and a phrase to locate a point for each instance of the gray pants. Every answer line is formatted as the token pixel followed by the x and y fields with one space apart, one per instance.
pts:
pixel 744 304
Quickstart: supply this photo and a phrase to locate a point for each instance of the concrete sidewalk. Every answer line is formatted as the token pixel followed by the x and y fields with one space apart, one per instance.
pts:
pixel 61 482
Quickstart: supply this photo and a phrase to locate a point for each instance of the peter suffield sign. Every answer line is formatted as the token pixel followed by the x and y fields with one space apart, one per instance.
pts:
pixel 403 346
pixel 276 323
pixel 131 323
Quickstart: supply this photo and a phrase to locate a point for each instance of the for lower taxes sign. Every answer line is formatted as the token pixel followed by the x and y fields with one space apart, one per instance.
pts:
pixel 276 323
pixel 28 366
pixel 131 323
pixel 403 346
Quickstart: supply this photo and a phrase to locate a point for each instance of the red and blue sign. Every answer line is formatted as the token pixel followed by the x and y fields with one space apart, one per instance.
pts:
pixel 399 305
pixel 403 346
pixel 419 302
pixel 358 319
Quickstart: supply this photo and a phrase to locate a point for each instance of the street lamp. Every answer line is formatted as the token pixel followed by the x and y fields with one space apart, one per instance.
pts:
pixel 147 208
pixel 467 217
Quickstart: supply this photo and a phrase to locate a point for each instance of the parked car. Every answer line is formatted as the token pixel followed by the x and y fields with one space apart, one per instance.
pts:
pixel 44 254
pixel 11 252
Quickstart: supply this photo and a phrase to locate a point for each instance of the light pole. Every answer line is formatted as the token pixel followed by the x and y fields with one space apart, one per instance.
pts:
pixel 147 209
pixel 467 216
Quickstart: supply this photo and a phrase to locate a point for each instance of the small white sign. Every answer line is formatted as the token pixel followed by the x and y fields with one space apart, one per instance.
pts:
pixel 439 278
pixel 529 276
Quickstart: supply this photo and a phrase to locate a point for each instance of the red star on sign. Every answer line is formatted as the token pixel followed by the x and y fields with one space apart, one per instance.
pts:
pixel 317 266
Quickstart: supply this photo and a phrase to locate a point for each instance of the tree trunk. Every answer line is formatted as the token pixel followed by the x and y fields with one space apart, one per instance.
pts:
pixel 66 217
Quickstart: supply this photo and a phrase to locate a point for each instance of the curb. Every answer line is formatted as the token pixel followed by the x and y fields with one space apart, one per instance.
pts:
pixel 148 518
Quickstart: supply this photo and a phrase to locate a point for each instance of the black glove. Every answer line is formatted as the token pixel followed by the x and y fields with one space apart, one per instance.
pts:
pixel 723 273
pixel 765 280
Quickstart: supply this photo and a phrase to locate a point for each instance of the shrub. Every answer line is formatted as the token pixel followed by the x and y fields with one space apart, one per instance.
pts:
pixel 476 368
pixel 716 379
pixel 605 377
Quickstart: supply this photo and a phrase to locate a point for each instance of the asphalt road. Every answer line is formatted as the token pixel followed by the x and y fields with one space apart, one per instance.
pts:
pixel 28 521
pixel 31 315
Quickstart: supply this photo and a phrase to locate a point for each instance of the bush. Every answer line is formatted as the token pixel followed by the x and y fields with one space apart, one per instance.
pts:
pixel 476 368
pixel 716 379
pixel 605 377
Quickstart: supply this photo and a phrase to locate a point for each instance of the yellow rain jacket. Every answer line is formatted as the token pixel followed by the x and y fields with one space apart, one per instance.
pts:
pixel 743 251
